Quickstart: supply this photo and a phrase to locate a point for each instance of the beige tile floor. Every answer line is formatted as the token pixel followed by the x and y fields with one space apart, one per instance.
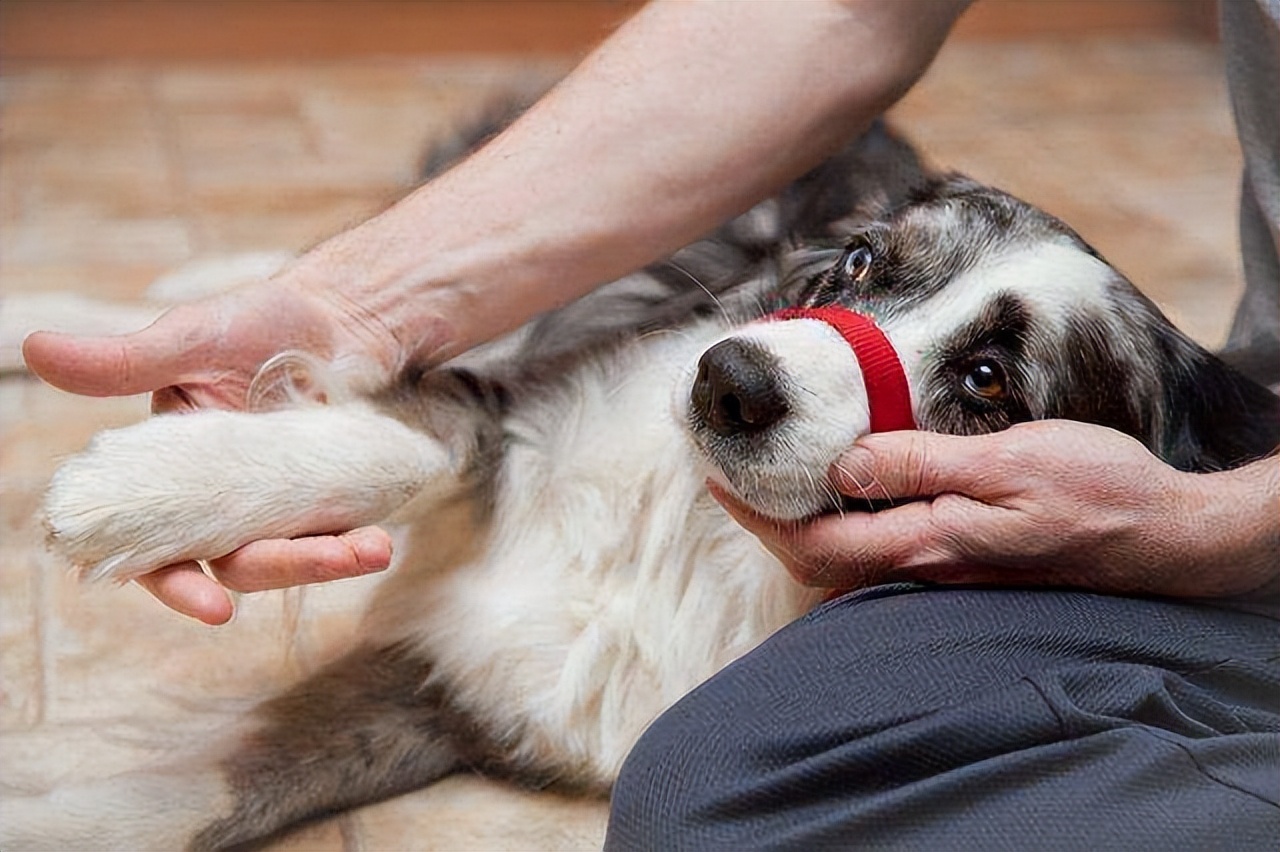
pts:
pixel 111 175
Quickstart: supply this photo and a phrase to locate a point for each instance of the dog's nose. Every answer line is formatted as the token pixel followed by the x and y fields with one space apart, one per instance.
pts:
pixel 736 391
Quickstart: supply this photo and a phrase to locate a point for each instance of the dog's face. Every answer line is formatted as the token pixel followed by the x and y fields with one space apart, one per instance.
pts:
pixel 999 314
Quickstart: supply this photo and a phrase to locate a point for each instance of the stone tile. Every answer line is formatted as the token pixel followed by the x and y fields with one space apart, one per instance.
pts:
pixel 468 813
pixel 39 425
pixel 21 674
pixel 123 280
pixel 83 83
pixel 115 653
pixel 85 172
pixel 109 652
pixel 251 140
pixel 371 128
pixel 223 228
pixel 324 836
pixel 120 184
pixel 107 133
pixel 344 128
pixel 1070 77
pixel 81 132
pixel 35 760
pixel 227 146
pixel 328 616
pixel 86 238
pixel 231 84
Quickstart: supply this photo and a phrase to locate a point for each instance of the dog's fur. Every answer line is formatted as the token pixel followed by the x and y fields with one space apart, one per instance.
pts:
pixel 568 577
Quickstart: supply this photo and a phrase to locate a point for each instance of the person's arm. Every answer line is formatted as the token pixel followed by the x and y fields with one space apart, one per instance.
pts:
pixel 1048 503
pixel 687 115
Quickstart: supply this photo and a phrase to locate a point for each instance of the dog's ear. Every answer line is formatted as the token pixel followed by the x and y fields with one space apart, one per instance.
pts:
pixel 1214 417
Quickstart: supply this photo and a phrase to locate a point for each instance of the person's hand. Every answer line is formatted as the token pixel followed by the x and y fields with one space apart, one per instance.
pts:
pixel 1048 503
pixel 206 354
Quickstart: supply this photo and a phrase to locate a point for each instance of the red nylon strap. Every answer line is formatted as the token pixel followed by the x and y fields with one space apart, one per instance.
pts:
pixel 888 396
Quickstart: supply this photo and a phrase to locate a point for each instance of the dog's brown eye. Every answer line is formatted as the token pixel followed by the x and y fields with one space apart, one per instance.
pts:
pixel 985 379
pixel 856 263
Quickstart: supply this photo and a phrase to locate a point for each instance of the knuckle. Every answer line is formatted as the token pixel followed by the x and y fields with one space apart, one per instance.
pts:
pixel 237 586
pixel 244 570
pixel 918 463
pixel 237 581
pixel 339 558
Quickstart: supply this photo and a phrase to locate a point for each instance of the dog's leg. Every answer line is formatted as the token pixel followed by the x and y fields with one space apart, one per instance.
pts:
pixel 367 727
pixel 197 486
pixel 364 728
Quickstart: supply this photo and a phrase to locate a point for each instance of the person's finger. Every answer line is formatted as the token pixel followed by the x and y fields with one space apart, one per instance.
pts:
pixel 140 362
pixel 838 551
pixel 856 549
pixel 775 535
pixel 186 589
pixel 905 465
pixel 278 563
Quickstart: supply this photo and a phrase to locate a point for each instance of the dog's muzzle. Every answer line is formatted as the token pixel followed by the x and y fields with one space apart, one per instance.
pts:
pixel 736 392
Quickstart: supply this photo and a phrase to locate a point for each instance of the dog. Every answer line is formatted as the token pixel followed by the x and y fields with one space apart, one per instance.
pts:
pixel 567 576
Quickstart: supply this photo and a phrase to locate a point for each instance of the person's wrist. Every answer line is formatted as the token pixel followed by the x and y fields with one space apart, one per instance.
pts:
pixel 380 285
pixel 1234 548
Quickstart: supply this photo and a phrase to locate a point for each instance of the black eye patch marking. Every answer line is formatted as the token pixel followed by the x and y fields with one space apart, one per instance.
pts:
pixel 978 381
pixel 1092 381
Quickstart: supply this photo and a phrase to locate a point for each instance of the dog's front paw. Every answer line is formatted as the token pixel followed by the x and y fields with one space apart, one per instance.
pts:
pixel 137 497
pixel 197 486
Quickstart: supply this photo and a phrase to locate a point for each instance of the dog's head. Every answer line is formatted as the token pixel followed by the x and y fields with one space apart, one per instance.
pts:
pixel 999 314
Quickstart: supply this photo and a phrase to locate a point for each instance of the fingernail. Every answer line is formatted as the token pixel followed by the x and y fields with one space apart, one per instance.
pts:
pixel 373 550
pixel 854 465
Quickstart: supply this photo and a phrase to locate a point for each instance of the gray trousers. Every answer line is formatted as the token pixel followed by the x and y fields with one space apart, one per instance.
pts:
pixel 901 717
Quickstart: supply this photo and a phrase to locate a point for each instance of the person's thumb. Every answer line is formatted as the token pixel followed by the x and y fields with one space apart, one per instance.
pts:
pixel 906 465
pixel 121 365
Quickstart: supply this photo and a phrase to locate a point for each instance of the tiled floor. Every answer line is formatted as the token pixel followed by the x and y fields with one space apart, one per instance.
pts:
pixel 111 175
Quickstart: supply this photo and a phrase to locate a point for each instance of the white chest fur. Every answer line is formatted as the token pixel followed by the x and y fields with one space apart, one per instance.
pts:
pixel 608 584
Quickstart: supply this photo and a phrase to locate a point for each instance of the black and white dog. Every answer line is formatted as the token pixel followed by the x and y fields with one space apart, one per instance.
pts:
pixel 568 576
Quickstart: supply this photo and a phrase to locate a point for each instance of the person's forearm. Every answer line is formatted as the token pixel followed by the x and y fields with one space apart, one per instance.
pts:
pixel 689 114
pixel 1234 520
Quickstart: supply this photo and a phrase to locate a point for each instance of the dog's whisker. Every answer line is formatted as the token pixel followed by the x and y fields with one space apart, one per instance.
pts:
pixel 672 264
pixel 678 333
pixel 862 489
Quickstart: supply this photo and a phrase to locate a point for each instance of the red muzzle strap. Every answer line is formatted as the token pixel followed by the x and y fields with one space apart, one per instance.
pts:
pixel 888 396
